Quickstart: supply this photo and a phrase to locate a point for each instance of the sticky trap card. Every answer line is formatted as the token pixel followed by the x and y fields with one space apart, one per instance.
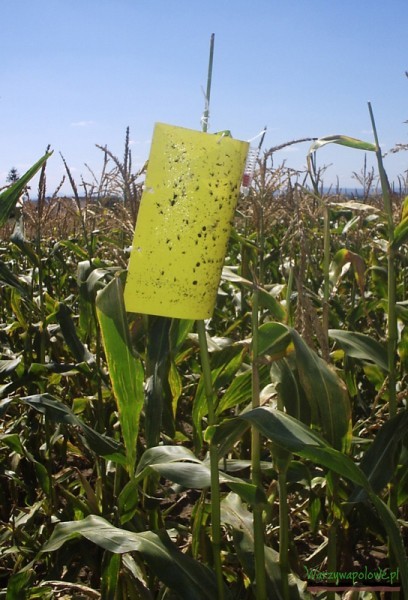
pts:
pixel 184 220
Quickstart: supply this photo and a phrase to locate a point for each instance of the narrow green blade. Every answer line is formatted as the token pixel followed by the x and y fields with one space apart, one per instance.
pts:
pixel 342 140
pixel 181 573
pixel 10 196
pixel 125 370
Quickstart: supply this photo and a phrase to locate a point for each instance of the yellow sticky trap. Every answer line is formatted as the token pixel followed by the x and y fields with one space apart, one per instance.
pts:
pixel 191 190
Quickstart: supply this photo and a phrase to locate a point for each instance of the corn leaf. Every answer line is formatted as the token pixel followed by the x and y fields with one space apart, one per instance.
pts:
pixel 158 396
pixel 7 277
pixel 293 436
pixel 240 389
pixel 27 248
pixel 181 573
pixel 400 234
pixel 361 346
pixel 10 196
pixel 327 395
pixel 235 515
pixel 7 366
pixel 57 412
pixel 289 390
pixel 125 370
pixel 111 571
pixel 379 461
pixel 224 365
pixel 273 339
pixel 179 465
pixel 401 230
pixel 19 584
pixel 77 347
pixel 343 257
pixel 342 140
pixel 266 300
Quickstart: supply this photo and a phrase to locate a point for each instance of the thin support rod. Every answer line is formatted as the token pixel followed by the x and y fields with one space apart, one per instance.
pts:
pixel 208 91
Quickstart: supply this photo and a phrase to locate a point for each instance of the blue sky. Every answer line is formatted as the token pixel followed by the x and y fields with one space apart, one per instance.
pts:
pixel 76 73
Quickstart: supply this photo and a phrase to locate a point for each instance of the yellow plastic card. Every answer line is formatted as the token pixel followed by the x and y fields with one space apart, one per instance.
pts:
pixel 191 189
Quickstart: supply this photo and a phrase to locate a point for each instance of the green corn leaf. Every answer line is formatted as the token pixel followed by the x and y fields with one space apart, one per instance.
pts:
pixel 57 412
pixel 183 468
pixel 74 247
pixel 26 247
pixel 237 517
pixel 404 211
pixel 326 393
pixel 392 528
pixel 68 329
pixel 400 234
pixel 342 258
pixel 292 435
pixel 7 366
pixel 240 389
pixel 290 392
pixel 401 230
pixel 10 196
pixel 224 365
pixel 181 573
pixel 361 346
pixel 12 440
pixel 403 484
pixel 111 567
pixel 165 454
pixel 7 277
pixel 266 300
pixel 403 348
pixel 295 437
pixel 125 370
pixel 275 308
pixel 19 584
pixel 158 396
pixel 179 331
pixel 86 323
pixel 342 140
pixel 284 430
pixel 379 461
pixel 273 339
